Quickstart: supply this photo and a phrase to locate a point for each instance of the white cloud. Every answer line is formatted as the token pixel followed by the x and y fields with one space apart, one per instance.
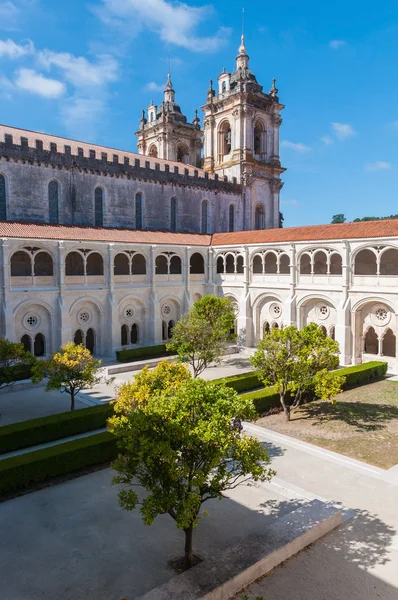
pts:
pixel 9 49
pixel 378 165
pixel 290 202
pixel 342 131
pixel 327 140
pixel 336 44
pixel 297 147
pixel 175 23
pixel 154 87
pixel 81 115
pixel 36 83
pixel 79 71
pixel 8 15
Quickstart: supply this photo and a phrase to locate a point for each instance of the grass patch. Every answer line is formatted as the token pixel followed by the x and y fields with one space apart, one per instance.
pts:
pixel 363 424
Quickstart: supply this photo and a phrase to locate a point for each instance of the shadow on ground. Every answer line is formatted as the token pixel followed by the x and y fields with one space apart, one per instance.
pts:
pixel 362 416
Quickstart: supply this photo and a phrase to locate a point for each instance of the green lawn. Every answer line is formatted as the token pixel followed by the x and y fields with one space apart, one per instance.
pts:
pixel 363 424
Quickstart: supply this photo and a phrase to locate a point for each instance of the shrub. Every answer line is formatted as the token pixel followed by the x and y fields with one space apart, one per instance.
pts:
pixel 22 371
pixel 53 427
pixel 264 399
pixel 24 470
pixel 133 354
pixel 365 373
pixel 242 382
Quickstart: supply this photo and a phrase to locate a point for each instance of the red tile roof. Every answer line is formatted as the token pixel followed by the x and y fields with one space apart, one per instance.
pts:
pixel 44 231
pixel 342 231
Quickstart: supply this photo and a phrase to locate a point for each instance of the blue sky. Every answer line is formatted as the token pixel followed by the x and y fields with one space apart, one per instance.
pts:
pixel 85 69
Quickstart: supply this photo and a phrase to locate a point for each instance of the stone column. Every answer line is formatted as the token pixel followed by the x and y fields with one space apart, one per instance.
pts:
pixel 187 280
pixel 276 121
pixel 210 287
pixel 289 316
pixel 275 186
pixel 9 324
pixel 113 326
pixel 63 329
pixel 244 320
pixel 154 317
pixel 343 314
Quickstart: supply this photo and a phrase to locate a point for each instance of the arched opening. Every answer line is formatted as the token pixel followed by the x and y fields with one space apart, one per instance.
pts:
pixel 164 331
pixel 336 264
pixel 39 347
pixel 270 263
pixel 95 264
pixel 284 264
pixel 138 211
pixel 371 342
pixel 205 216
pixel 99 207
pixel 275 325
pixel 239 264
pixel 26 342
pixel 231 224
pixel 43 265
pixel 389 263
pixel 124 335
pixel 161 266
pixel 53 202
pixel 170 328
pixel 266 328
pixel 323 329
pixel 305 264
pixel 175 265
pixel 258 138
pixel 153 151
pixel 3 199
pixel 182 153
pixel 320 263
pixel 74 264
pixel 78 337
pixel 197 264
pixel 230 263
pixel 365 263
pixel 332 333
pixel 389 343
pixel 224 140
pixel 21 264
pixel 220 264
pixel 134 334
pixel 257 264
pixel 138 265
pixel 173 214
pixel 259 217
pixel 121 264
pixel 90 340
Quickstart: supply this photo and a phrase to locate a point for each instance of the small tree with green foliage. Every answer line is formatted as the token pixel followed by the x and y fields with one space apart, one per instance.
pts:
pixel 183 447
pixel 70 370
pixel 339 218
pixel 14 362
pixel 200 337
pixel 296 362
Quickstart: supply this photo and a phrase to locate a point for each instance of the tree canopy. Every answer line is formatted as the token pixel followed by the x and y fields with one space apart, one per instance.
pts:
pixel 298 362
pixel 183 447
pixel 199 337
pixel 69 370
pixel 13 360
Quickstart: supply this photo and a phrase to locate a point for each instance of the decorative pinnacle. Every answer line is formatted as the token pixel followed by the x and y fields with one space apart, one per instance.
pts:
pixel 274 90
pixel 169 85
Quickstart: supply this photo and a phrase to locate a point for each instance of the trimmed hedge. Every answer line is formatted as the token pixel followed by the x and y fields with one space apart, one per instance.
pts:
pixel 21 372
pixel 133 354
pixel 355 376
pixel 53 427
pixel 242 382
pixel 25 470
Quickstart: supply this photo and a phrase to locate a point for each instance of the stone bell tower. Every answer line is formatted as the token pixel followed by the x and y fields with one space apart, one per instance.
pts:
pixel 165 133
pixel 241 139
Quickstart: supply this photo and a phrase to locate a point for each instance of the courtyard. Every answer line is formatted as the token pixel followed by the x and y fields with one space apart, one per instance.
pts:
pixel 363 424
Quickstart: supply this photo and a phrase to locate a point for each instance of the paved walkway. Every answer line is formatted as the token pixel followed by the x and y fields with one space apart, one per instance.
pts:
pixel 358 561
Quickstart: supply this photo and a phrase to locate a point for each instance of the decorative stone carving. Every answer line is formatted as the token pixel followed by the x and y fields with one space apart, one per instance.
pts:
pixel 275 185
pixel 380 315
pixel 322 311
pixel 84 316
pixel 31 320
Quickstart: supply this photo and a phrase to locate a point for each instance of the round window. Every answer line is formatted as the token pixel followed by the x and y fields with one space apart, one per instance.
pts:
pixel 31 321
pixel 322 311
pixel 380 315
pixel 166 310
pixel 129 312
pixel 84 316
pixel 275 310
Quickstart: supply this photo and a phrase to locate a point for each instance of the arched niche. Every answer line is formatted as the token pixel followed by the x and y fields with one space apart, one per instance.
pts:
pixel 21 264
pixel 371 342
pixel 138 265
pixel 74 264
pixel 270 266
pixel 305 264
pixel 320 263
pixel 389 344
pixel 284 264
pixel 230 263
pixel 257 264
pixel 336 264
pixel 94 264
pixel 197 264
pixel 365 263
pixel 43 264
pixel 259 217
pixel 220 264
pixel 161 265
pixel 239 264
pixel 121 265
pixel 175 265
pixel 389 262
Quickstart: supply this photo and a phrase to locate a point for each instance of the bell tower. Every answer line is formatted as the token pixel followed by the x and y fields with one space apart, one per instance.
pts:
pixel 241 139
pixel 165 133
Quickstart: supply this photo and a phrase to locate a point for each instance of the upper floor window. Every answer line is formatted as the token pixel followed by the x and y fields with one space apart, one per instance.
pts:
pixel 99 207
pixel 173 214
pixel 3 199
pixel 258 138
pixel 224 87
pixel 224 140
pixel 153 151
pixel 259 217
pixel 182 153
pixel 53 202
pixel 231 224
pixel 205 216
pixel 138 211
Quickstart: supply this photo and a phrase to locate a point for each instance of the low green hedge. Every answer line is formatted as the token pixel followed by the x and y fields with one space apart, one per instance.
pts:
pixel 25 470
pixel 21 372
pixel 54 427
pixel 357 375
pixel 132 354
pixel 242 382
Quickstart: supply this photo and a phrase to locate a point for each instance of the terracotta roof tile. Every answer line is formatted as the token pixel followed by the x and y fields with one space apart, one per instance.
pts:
pixel 43 231
pixel 363 229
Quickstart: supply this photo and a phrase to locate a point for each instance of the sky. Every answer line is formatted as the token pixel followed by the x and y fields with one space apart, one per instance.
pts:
pixel 86 68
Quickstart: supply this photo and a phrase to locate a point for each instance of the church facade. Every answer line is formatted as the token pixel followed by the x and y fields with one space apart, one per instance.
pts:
pixel 109 248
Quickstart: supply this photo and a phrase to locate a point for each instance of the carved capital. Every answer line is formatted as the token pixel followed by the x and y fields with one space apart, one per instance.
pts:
pixel 276 120
pixel 275 185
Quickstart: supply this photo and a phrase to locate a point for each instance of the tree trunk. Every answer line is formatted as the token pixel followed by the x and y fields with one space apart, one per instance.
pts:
pixel 286 409
pixel 72 400
pixel 188 547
